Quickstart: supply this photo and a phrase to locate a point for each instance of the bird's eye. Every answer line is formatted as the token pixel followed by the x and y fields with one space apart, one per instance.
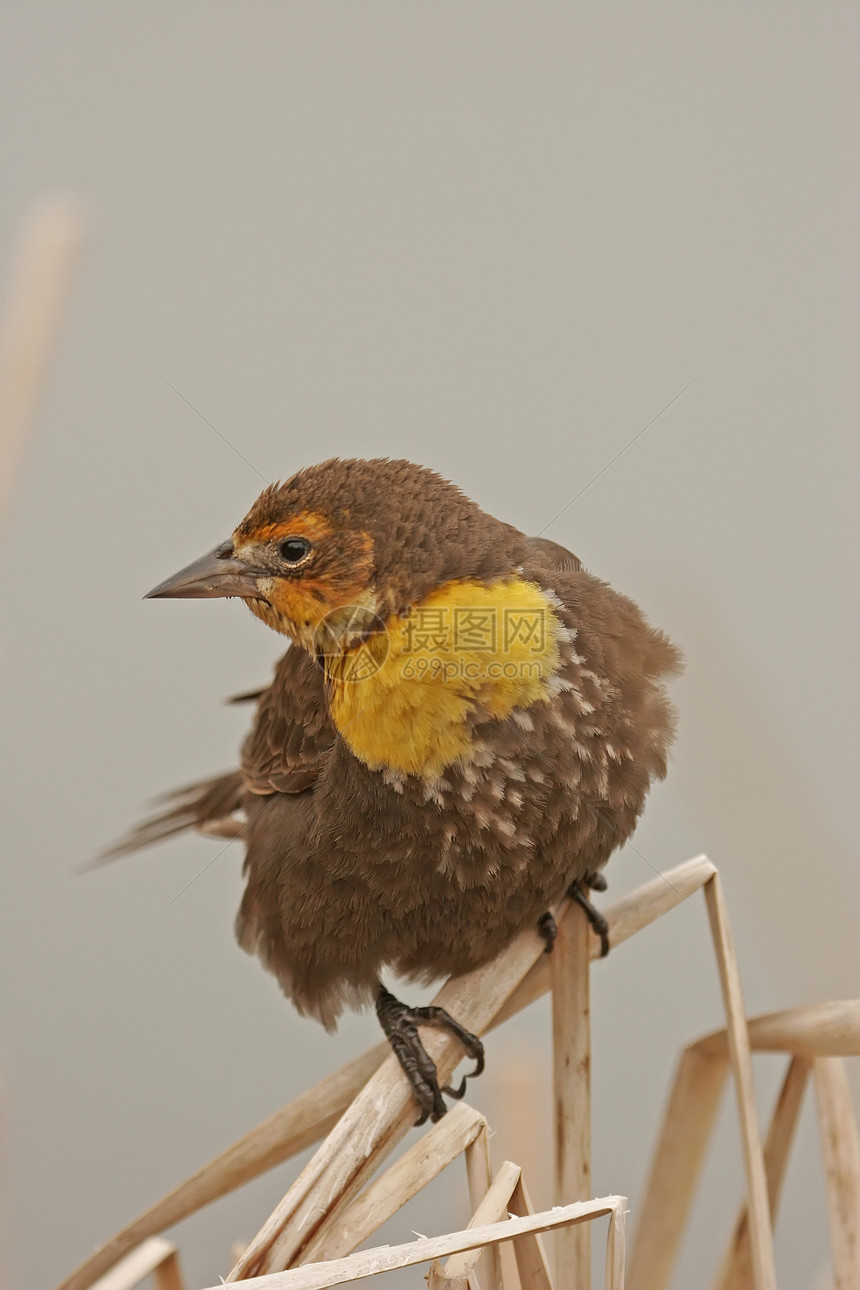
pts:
pixel 294 549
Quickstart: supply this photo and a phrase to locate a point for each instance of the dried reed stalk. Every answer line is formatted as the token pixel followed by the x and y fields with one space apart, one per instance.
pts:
pixel 367 1263
pixel 735 1272
pixel 840 1152
pixel 687 1127
pixel 296 1126
pixel 571 1047
pixel 740 1060
pixel 316 1111
pixel 156 1258
pixel 814 1030
pixel 43 272
pixel 820 1030
pixel 688 1122
pixel 426 1158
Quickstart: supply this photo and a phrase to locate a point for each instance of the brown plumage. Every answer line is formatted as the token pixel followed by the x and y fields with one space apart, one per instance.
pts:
pixel 466 723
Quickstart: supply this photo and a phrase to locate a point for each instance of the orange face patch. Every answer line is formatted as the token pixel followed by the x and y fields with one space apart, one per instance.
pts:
pixel 338 573
pixel 307 525
pixel 297 607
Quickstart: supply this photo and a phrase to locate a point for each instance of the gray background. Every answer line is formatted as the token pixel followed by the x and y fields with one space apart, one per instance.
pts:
pixel 499 239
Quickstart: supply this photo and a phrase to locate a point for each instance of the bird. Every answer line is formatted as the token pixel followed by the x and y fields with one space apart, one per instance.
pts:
pixel 463 728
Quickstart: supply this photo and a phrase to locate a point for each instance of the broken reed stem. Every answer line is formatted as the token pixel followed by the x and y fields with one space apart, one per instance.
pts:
pixel 480 1176
pixel 616 1250
pixel 492 1209
pixel 532 1267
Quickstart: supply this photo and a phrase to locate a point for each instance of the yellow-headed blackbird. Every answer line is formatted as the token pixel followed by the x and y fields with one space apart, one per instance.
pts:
pixel 464 727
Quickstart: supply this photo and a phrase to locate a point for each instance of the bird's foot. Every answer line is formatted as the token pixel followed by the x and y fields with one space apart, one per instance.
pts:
pixel 548 928
pixel 594 916
pixel 399 1023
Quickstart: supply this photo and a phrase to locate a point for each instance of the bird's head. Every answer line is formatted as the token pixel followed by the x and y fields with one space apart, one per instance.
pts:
pixel 347 544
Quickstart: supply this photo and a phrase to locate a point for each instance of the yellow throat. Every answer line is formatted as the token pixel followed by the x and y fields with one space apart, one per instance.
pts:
pixel 468 649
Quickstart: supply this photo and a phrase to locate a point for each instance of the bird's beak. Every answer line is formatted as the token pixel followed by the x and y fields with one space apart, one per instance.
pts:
pixel 218 573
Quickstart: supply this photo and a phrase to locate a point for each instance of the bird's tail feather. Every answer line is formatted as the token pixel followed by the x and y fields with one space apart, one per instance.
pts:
pixel 210 805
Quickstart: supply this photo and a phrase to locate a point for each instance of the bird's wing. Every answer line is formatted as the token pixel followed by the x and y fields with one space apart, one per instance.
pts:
pixel 545 554
pixel 288 744
pixel 612 632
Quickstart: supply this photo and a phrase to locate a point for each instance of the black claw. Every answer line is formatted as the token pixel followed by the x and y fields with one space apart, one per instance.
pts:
pixel 460 1091
pixel 399 1023
pixel 595 881
pixel 598 922
pixel 548 929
